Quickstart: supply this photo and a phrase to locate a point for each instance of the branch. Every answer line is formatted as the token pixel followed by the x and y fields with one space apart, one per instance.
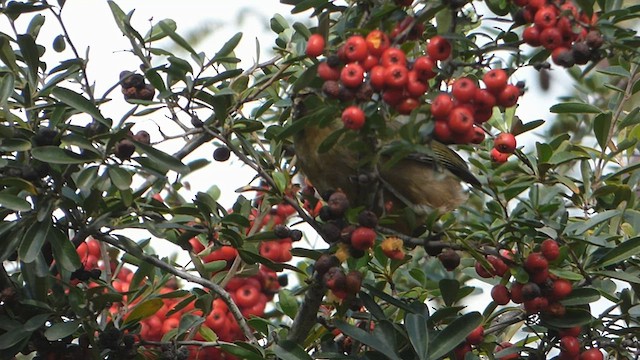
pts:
pixel 308 313
pixel 217 289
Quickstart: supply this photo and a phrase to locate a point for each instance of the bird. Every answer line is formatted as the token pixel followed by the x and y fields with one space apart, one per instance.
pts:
pixel 424 182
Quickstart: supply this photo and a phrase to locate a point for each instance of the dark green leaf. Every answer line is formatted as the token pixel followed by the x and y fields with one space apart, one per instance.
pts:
pixel 165 160
pixel 573 317
pixel 79 103
pixel 288 303
pixel 574 108
pixel 144 310
pixel 166 28
pixel 64 251
pixel 227 48
pixel 62 329
pixel 453 334
pixel 418 332
pixel 56 155
pixel 30 54
pixel 621 252
pixel 156 33
pixel 33 240
pixel 287 350
pixel 601 127
pixel 14 202
pixel 367 339
pixel 120 177
pixel 449 290
pixel 581 296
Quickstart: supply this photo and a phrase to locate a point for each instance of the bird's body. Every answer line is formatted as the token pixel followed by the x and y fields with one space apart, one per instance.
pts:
pixel 423 182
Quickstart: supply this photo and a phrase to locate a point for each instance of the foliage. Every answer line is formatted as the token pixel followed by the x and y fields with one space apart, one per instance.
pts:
pixel 71 172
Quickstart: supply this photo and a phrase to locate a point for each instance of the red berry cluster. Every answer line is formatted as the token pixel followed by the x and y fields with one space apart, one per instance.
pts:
pixel 367 65
pixel 562 29
pixel 503 146
pixel 458 114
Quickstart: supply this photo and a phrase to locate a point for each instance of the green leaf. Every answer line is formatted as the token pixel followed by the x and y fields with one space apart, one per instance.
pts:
pixel 615 71
pixel 163 160
pixel 56 155
pixel 621 252
pixel 574 108
pixel 573 317
pixel 14 202
pixel 288 350
pixel 620 275
pixel 288 303
pixel 7 55
pixel 120 177
pixel 307 4
pixel 79 103
pixel 62 329
pixel 33 240
pixel 581 228
pixel 144 310
pixel 63 251
pixel 449 290
pixel 581 296
pixel 368 339
pixel 30 54
pixel 166 28
pixel 156 32
pixel 601 126
pixel 453 334
pixel 227 48
pixel 418 332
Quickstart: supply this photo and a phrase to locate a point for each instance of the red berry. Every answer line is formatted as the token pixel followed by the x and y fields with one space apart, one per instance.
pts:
pixel 355 48
pixel 536 305
pixel 247 295
pixel 505 345
pixel 315 45
pixel 393 96
pixel 441 106
pixel 570 345
pixel 377 77
pixel 546 17
pixel 550 249
pixel 396 76
pixel 561 289
pixel 508 97
pixel 516 293
pixel 460 352
pixel 425 67
pixel 464 90
pixel 499 266
pixel 377 42
pixel 551 38
pixel 477 336
pixel 591 354
pixel 460 120
pixel 370 62
pixel 439 48
pixel 500 294
pixel 352 75
pixel 478 135
pixel 535 263
pixel 495 80
pixel 441 131
pixel 326 72
pixel 393 56
pixel 531 36
pixel 415 86
pixel 499 157
pixel 572 331
pixel 484 99
pixel 363 238
pixel 505 143
pixel 407 105
pixel 482 271
pixel 353 117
